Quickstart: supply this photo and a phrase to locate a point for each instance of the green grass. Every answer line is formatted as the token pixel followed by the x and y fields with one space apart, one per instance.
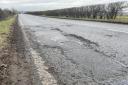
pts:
pixel 122 18
pixel 5 30
pixel 119 19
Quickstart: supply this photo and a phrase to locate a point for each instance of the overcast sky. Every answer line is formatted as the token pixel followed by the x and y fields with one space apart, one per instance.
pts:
pixel 36 5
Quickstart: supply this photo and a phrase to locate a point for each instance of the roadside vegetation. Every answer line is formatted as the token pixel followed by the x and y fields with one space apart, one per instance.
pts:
pixel 5 53
pixel 5 30
pixel 5 13
pixel 119 19
pixel 112 12
pixel 6 20
pixel 14 69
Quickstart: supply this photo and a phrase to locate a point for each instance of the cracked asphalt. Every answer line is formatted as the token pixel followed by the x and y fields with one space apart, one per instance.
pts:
pixel 79 52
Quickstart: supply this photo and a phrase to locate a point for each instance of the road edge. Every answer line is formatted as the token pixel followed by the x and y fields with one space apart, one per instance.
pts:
pixel 40 75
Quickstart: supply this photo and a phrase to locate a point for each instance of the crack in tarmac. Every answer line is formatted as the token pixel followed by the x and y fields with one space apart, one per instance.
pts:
pixel 91 45
pixel 61 52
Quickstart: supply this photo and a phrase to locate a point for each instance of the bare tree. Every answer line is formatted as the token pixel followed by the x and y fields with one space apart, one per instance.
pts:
pixel 101 11
pixel 113 9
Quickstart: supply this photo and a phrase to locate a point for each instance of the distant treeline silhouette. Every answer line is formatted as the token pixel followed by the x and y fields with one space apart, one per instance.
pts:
pixel 4 13
pixel 100 11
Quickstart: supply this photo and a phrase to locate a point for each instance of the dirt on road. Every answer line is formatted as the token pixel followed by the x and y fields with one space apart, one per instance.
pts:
pixel 14 68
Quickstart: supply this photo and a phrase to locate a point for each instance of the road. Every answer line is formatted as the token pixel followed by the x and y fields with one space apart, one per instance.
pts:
pixel 79 52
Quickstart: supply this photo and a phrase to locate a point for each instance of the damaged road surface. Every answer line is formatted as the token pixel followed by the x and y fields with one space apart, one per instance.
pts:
pixel 72 52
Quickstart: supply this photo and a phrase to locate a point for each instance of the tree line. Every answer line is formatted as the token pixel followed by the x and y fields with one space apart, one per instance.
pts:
pixel 4 13
pixel 100 11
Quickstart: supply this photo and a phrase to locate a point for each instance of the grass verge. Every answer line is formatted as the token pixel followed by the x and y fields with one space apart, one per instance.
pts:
pixel 14 68
pixel 118 20
pixel 5 30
